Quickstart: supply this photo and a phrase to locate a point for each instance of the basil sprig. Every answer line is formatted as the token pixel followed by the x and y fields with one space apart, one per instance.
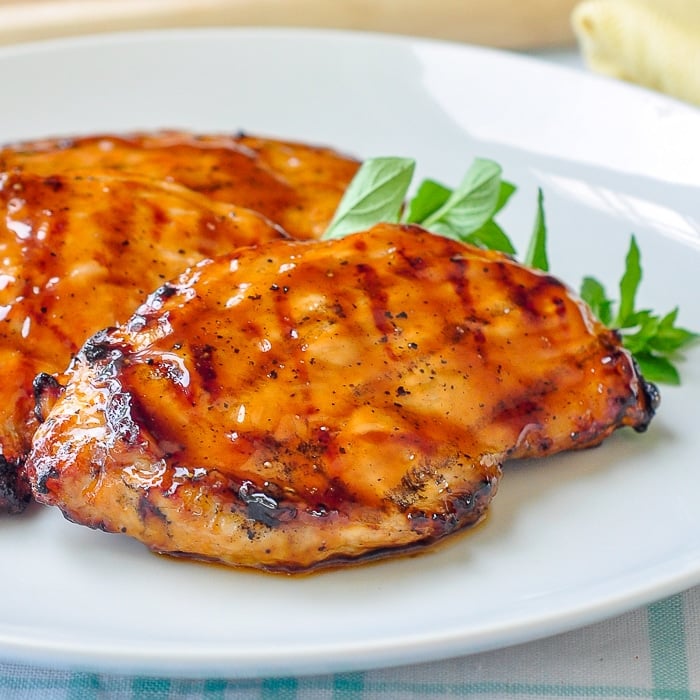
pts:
pixel 380 188
pixel 376 193
pixel 379 192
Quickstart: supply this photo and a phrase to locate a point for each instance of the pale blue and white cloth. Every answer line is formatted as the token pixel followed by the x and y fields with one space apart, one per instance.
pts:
pixel 653 652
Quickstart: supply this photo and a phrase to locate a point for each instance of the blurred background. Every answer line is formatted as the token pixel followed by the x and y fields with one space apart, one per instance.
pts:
pixel 503 23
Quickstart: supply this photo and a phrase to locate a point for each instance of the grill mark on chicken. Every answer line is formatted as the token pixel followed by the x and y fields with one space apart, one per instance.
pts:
pixel 80 252
pixel 377 299
pixel 204 364
pixel 296 185
pixel 334 417
pixel 458 275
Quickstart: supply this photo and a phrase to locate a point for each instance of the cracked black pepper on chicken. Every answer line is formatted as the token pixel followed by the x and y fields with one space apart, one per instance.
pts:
pixel 89 226
pixel 296 404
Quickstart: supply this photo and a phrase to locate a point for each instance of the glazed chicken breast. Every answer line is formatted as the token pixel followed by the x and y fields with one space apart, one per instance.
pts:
pixel 78 253
pixel 297 186
pixel 299 404
pixel 76 258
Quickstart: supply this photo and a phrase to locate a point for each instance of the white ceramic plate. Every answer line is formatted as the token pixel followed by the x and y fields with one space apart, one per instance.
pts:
pixel 570 540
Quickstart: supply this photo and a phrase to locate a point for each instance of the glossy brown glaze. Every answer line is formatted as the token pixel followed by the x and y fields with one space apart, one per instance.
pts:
pixel 303 403
pixel 295 185
pixel 77 254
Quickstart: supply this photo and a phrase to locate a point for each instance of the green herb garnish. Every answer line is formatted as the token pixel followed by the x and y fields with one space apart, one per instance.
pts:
pixel 379 191
pixel 376 193
pixel 380 187
pixel 654 340
pixel 536 255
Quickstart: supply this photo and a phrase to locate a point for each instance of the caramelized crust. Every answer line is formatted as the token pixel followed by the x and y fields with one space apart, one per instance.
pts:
pixel 72 197
pixel 78 253
pixel 302 403
pixel 295 185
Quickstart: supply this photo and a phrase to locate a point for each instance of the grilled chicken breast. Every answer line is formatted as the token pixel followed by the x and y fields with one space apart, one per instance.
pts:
pixel 74 196
pixel 297 186
pixel 78 253
pixel 297 404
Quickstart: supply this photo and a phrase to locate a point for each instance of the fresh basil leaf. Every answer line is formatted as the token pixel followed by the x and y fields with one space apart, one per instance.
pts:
pixel 594 294
pixel 492 237
pixel 629 283
pixel 473 203
pixel 376 193
pixel 431 195
pixel 536 255
pixel 657 369
pixel 506 192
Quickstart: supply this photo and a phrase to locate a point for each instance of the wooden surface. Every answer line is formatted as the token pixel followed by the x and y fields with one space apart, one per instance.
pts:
pixel 503 23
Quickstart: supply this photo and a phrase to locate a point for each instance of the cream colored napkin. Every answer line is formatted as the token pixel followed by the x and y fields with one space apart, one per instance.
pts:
pixel 655 43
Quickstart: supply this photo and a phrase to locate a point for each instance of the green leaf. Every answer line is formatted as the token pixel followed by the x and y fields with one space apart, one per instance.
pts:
pixel 536 255
pixel 376 193
pixel 593 293
pixel 506 192
pixel 648 331
pixel 652 339
pixel 629 283
pixel 431 195
pixel 492 237
pixel 671 338
pixel 473 203
pixel 657 369
pixel 641 329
